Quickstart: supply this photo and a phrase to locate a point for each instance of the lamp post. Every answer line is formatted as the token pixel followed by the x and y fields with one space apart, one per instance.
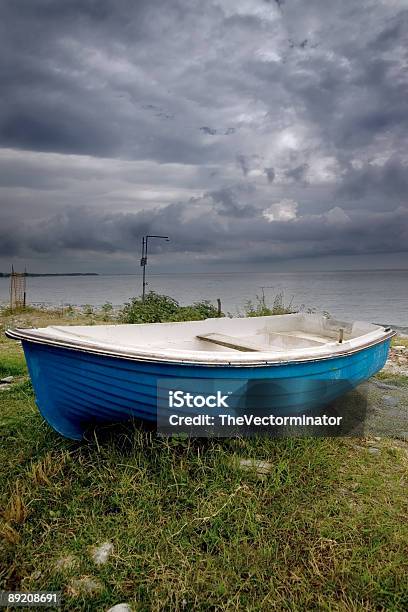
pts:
pixel 143 260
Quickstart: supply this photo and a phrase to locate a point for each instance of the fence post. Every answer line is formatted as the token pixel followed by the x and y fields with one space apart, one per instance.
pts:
pixel 219 307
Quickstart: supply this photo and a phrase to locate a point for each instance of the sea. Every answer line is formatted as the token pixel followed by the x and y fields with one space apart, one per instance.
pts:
pixel 379 296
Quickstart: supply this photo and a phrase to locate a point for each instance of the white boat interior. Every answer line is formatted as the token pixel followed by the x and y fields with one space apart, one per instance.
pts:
pixel 228 341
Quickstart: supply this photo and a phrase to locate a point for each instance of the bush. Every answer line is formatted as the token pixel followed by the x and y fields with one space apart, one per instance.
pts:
pixel 198 311
pixel 69 310
pixel 107 310
pixel 161 308
pixel 261 309
pixel 87 309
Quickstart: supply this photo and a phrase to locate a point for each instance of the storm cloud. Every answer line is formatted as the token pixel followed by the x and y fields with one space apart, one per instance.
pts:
pixel 248 131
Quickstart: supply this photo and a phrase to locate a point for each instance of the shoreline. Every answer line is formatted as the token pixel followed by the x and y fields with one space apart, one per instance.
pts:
pixel 48 307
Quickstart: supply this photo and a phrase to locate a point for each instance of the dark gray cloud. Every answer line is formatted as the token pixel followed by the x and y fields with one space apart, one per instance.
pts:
pixel 242 162
pixel 234 201
pixel 207 130
pixel 298 173
pixel 270 174
pixel 249 129
pixel 330 233
pixel 388 181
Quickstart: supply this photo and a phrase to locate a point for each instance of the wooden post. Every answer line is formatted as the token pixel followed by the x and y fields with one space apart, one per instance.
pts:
pixel 11 288
pixel 24 289
pixel 219 307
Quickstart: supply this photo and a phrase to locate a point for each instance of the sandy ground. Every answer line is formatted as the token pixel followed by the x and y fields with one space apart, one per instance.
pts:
pixel 387 395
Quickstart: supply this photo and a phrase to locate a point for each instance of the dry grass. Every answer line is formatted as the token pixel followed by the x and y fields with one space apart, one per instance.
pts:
pixel 16 510
pixel 48 467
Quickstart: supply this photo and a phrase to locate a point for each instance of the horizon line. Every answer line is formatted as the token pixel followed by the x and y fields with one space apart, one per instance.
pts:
pixel 167 273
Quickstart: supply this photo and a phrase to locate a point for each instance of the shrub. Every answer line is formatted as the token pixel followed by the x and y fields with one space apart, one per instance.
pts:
pixel 107 310
pixel 154 309
pixel 198 311
pixel 261 309
pixel 88 309
pixel 159 308
pixel 69 310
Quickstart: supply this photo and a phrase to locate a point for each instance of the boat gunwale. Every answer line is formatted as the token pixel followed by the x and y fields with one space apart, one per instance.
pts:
pixel 24 335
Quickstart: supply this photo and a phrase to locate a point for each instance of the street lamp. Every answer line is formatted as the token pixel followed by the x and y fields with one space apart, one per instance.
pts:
pixel 143 260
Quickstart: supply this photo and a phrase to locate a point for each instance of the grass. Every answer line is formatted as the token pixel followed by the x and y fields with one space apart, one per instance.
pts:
pixel 325 529
pixel 399 341
pixel 393 379
pixel 12 362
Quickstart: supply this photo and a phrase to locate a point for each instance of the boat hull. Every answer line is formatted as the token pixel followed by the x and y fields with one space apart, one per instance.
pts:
pixel 76 390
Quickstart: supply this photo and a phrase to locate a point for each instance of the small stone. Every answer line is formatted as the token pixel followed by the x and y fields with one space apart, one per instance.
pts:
pixel 6 379
pixel 374 451
pixel 100 554
pixel 358 447
pixel 376 438
pixel 399 347
pixel 260 467
pixel 121 607
pixel 4 387
pixel 382 385
pixel 389 400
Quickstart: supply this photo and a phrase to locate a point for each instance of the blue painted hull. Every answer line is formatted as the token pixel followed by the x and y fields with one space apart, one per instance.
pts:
pixel 76 390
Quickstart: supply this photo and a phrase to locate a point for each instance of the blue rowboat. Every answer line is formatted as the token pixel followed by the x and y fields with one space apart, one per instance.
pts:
pixel 87 375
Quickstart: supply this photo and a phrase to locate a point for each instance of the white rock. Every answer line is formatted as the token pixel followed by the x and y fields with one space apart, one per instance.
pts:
pixel 374 451
pixel 389 400
pixel 122 607
pixel 260 467
pixel 358 447
pixel 7 379
pixel 100 554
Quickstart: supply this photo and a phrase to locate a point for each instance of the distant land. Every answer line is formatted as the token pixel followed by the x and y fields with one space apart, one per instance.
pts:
pixel 8 274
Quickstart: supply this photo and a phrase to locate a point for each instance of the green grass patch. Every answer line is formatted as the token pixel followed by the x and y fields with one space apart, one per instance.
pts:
pixel 400 341
pixel 324 529
pixel 12 363
pixel 390 378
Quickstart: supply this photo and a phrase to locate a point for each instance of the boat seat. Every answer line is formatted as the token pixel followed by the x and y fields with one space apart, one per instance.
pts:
pixel 299 338
pixel 277 341
pixel 232 342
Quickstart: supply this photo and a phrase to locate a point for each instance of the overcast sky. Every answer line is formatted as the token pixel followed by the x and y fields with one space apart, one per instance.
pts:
pixel 268 134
